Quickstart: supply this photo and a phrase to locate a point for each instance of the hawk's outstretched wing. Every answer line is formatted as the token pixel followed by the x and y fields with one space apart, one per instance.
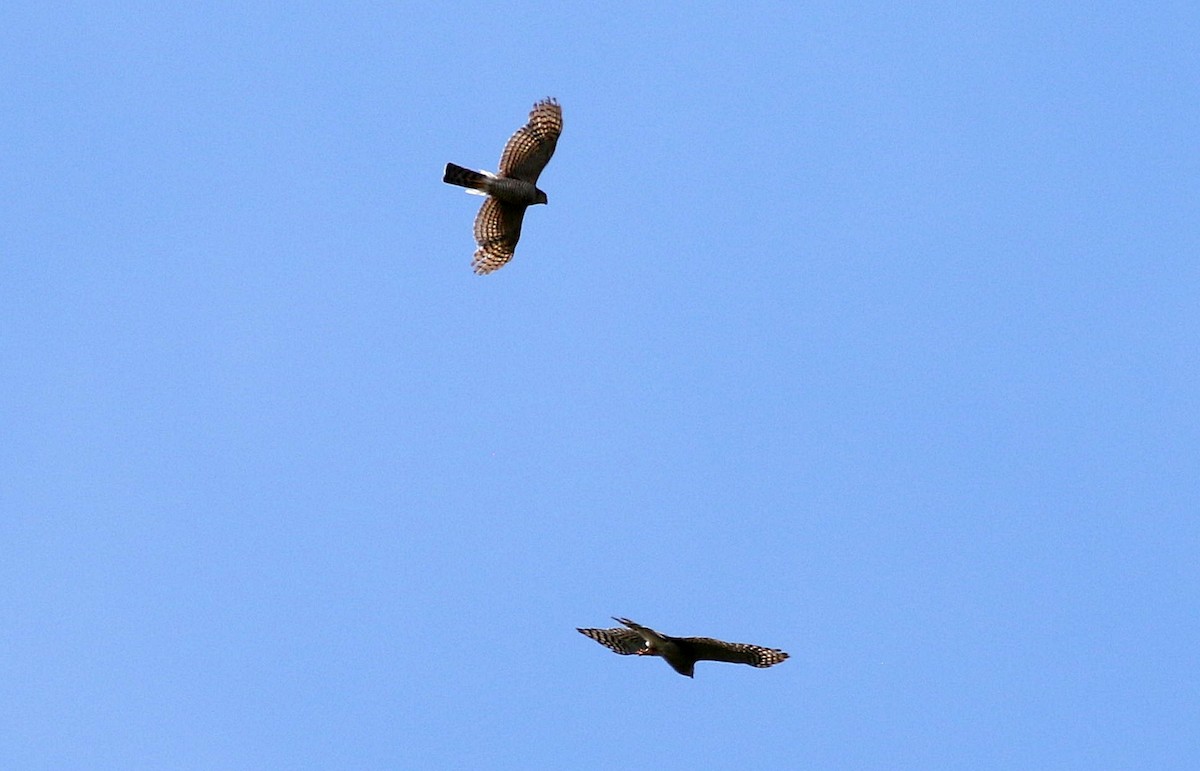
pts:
pixel 497 230
pixel 623 641
pixel 708 649
pixel 529 150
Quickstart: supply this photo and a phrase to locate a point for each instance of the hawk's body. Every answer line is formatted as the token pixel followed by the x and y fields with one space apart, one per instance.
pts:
pixel 513 189
pixel 681 653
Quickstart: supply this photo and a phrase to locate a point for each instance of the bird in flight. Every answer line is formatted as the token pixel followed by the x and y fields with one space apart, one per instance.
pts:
pixel 513 188
pixel 681 653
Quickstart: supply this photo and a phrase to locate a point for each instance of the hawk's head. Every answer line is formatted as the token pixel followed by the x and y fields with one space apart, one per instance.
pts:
pixel 541 197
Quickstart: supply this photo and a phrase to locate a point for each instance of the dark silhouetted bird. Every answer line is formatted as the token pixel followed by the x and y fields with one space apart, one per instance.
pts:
pixel 681 653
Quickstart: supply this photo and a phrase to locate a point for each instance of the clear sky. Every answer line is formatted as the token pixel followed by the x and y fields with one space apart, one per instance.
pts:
pixel 867 332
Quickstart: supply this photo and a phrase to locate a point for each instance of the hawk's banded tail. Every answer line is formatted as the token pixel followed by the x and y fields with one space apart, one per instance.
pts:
pixel 472 180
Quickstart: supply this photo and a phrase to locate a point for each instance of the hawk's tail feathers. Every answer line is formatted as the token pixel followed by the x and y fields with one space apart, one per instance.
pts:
pixel 474 181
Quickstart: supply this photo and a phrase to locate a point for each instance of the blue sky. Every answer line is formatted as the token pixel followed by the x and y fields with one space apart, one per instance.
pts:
pixel 865 332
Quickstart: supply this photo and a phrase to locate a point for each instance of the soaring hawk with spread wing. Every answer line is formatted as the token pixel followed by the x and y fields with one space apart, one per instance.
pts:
pixel 513 189
pixel 681 653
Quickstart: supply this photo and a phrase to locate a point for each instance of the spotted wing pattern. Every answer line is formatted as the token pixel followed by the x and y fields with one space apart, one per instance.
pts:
pixel 529 150
pixel 708 649
pixel 497 229
pixel 623 641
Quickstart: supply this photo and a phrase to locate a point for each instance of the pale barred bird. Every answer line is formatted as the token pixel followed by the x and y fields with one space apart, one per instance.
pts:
pixel 681 653
pixel 513 189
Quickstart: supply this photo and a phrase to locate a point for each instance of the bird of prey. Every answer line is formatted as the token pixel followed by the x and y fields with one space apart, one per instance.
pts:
pixel 681 653
pixel 513 189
